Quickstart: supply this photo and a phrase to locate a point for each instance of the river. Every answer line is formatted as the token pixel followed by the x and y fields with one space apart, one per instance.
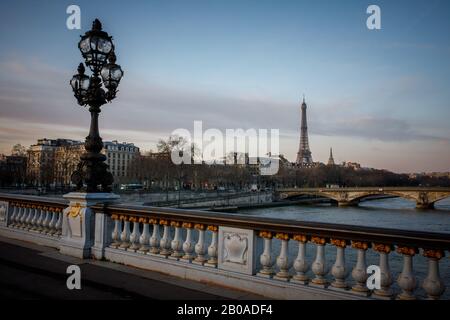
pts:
pixel 396 213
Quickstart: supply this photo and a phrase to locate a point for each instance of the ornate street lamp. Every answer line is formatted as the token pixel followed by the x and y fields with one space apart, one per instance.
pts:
pixel 97 49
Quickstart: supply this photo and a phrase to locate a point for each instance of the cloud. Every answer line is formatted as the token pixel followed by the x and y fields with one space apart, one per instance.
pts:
pixel 373 128
pixel 36 101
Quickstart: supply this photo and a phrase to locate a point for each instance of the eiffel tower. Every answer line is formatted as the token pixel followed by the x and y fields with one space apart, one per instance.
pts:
pixel 304 157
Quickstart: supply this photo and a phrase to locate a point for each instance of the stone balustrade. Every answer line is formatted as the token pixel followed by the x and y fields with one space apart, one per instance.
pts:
pixel 184 235
pixel 34 217
pixel 273 257
pixel 142 235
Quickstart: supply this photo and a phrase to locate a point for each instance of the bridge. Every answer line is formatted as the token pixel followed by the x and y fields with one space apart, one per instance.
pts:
pixel 425 198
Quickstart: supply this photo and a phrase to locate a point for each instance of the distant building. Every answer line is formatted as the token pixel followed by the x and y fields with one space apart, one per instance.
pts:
pixel 304 157
pixel 352 165
pixel 51 162
pixel 158 156
pixel 331 159
pixel 67 157
pixel 41 161
pixel 118 157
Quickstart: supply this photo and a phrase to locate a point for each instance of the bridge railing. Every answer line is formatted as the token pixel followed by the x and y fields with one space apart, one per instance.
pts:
pixel 246 244
pixel 32 217
pixel 272 257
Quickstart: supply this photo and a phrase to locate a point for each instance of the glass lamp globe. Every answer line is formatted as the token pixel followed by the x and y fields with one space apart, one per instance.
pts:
pixel 111 73
pixel 80 83
pixel 95 46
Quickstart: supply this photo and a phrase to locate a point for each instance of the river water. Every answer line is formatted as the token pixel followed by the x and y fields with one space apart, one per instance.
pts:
pixel 396 213
pixel 393 213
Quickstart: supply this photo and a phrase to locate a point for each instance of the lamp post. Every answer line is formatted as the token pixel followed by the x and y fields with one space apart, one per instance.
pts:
pixel 97 49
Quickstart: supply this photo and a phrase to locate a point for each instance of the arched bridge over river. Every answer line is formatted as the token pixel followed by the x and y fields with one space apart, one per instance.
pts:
pixel 424 197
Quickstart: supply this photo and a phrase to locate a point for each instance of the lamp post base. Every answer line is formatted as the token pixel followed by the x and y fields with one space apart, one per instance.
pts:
pixel 79 227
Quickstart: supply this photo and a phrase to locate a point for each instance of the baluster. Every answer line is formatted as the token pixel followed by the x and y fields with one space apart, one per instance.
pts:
pixel 145 236
pixel 177 242
pixel 58 225
pixel 52 224
pixel 406 280
pixel 20 214
pixel 319 266
pixel 33 222
pixel 29 217
pixel 212 249
pixel 134 237
pixel 125 235
pixel 200 247
pixel 282 261
pixel 13 216
pixel 339 271
pixel 165 241
pixel 433 284
pixel 41 218
pixel 47 219
pixel 359 272
pixel 386 275
pixel 23 217
pixel 16 217
pixel 266 258
pixel 154 240
pixel 300 264
pixel 188 245
pixel 115 236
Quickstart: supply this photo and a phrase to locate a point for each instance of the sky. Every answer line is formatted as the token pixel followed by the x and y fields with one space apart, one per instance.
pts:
pixel 377 97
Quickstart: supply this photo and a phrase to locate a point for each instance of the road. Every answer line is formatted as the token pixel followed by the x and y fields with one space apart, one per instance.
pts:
pixel 31 272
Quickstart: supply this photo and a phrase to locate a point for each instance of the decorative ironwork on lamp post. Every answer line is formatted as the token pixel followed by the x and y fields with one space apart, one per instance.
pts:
pixel 97 49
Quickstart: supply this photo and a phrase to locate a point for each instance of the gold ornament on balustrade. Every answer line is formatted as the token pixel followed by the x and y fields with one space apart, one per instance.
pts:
pixel 153 221
pixel 338 243
pixel 407 251
pixel 142 220
pixel 175 224
pixel 319 240
pixel 123 217
pixel 300 238
pixel 360 245
pixel 212 228
pixel 163 222
pixel 266 234
pixel 433 253
pixel 282 236
pixel 114 217
pixel 74 211
pixel 133 219
pixel 199 226
pixel 381 247
pixel 187 225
